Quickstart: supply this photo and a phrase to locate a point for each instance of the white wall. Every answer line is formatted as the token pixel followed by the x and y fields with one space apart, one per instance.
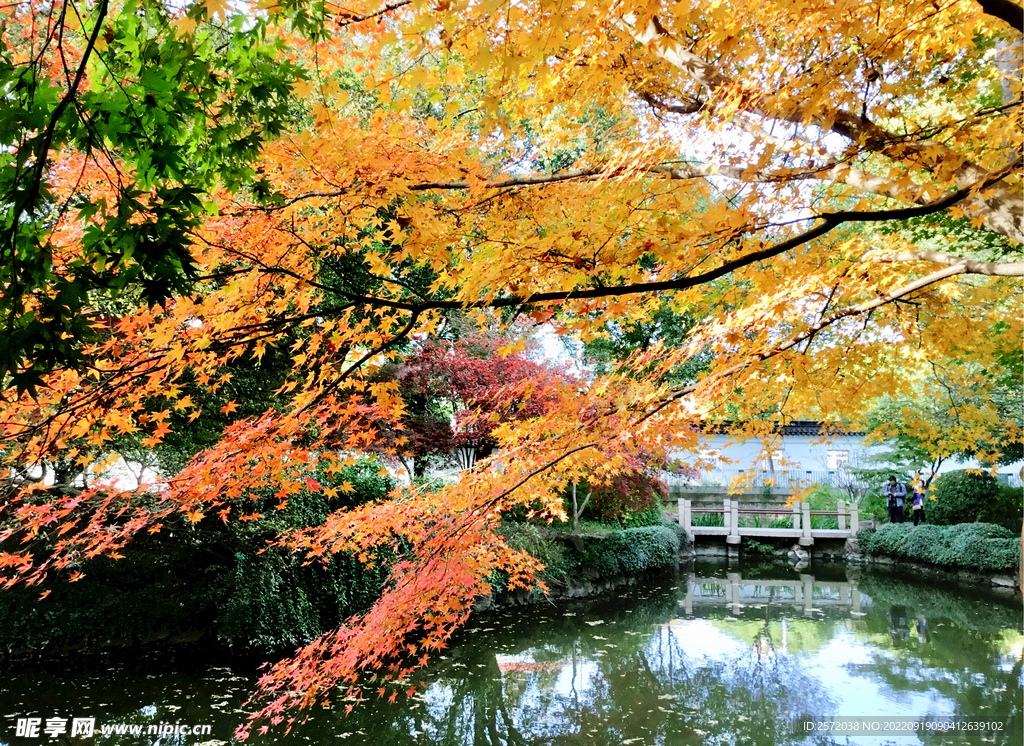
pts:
pixel 809 453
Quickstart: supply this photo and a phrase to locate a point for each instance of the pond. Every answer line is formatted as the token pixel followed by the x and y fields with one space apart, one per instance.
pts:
pixel 705 655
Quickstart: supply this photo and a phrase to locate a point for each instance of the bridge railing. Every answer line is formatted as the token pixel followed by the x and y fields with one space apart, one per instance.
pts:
pixel 781 481
pixel 847 517
pixel 755 480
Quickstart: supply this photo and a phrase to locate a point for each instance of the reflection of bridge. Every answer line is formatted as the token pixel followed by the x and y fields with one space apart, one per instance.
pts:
pixel 800 514
pixel 737 593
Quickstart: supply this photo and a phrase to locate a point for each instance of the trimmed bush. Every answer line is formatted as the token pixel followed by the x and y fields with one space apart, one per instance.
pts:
pixel 961 496
pixel 570 558
pixel 631 551
pixel 968 546
pixel 1005 509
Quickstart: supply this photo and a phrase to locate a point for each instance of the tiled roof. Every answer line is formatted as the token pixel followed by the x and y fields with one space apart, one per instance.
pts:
pixel 809 428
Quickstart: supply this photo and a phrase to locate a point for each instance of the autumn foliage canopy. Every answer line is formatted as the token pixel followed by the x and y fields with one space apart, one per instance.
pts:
pixel 832 190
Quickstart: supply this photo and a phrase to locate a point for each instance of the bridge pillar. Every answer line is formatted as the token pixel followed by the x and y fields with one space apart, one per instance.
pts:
pixel 734 592
pixel 806 539
pixel 732 541
pixel 688 601
pixel 796 516
pixel 725 512
pixel 841 508
pixel 686 517
pixel 854 519
pixel 808 586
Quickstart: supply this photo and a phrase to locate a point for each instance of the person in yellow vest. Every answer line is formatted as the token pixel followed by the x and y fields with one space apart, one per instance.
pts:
pixel 917 502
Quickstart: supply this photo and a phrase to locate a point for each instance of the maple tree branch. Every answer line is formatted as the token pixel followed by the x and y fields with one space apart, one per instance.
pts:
pixel 347 17
pixel 813 329
pixel 1003 214
pixel 578 173
pixel 539 470
pixel 651 100
pixel 31 192
pixel 829 221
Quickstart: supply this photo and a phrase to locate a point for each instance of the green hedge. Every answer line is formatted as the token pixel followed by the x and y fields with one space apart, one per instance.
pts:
pixel 630 551
pixel 572 558
pixel 959 496
pixel 967 546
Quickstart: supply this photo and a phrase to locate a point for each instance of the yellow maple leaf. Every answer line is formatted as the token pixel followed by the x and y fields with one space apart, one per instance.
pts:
pixel 217 8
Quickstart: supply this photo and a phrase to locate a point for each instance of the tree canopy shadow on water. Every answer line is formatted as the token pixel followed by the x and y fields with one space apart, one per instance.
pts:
pixel 628 670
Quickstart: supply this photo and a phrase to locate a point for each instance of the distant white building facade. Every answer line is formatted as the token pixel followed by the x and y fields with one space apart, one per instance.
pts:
pixel 802 453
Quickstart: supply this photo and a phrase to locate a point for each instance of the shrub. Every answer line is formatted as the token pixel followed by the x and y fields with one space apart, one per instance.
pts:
pixel 627 496
pixel 569 557
pixel 1005 509
pixel 961 496
pixel 969 546
pixel 651 516
pixel 757 547
pixel 276 603
pixel 823 497
pixel 631 551
pixel 873 508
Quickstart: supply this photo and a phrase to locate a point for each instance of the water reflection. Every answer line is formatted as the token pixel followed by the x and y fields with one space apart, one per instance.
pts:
pixel 803 591
pixel 710 656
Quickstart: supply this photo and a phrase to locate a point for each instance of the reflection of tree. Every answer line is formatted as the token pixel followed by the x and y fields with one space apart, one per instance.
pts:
pixel 961 657
pixel 629 671
pixel 966 666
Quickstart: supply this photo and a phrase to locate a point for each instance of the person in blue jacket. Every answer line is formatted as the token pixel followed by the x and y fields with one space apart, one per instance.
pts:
pixel 895 497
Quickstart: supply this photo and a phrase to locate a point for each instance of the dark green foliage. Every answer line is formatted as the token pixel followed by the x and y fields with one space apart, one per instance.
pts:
pixel 651 516
pixel 633 550
pixel 757 547
pixel 961 496
pixel 572 558
pixel 1006 508
pixel 824 498
pixel 969 546
pixel 276 604
pixel 873 508
pixel 219 578
pixel 665 326
pixel 626 552
pixel 163 586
